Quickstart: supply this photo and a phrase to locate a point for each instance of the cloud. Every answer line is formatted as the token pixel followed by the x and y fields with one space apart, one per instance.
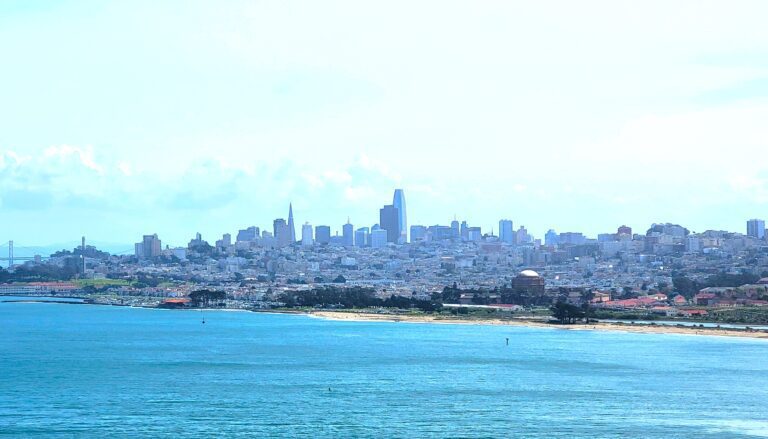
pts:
pixel 50 178
pixel 64 153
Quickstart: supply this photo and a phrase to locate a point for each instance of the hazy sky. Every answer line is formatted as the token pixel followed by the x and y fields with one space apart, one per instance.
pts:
pixel 131 117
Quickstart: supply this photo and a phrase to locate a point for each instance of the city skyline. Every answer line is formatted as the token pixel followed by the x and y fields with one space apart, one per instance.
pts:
pixel 284 231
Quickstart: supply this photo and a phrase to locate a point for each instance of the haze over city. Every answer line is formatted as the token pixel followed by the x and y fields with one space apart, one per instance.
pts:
pixel 125 118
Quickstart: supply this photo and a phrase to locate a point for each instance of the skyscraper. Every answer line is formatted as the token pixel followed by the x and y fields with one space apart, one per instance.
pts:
pixel 322 234
pixel 282 235
pixel 506 231
pixel 756 228
pixel 306 235
pixel 291 227
pixel 389 220
pixel 149 247
pixel 362 237
pixel 455 231
pixel 248 235
pixel 402 223
pixel 348 233
pixel 418 233
pixel 551 239
pixel 379 238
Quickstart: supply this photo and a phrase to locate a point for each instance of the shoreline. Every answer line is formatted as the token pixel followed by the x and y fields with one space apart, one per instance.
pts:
pixel 597 326
pixel 361 316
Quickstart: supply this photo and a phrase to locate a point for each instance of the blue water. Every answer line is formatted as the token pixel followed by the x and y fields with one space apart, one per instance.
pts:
pixel 687 323
pixel 98 371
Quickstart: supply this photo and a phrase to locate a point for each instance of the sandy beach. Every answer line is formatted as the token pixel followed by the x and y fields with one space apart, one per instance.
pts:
pixel 645 329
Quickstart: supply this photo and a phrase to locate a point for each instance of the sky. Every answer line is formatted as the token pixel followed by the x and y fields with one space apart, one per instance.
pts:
pixel 124 118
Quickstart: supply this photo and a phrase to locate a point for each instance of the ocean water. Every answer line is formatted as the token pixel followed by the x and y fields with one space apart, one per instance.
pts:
pixel 98 371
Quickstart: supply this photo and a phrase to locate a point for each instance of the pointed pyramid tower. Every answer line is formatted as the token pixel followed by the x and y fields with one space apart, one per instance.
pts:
pixel 291 227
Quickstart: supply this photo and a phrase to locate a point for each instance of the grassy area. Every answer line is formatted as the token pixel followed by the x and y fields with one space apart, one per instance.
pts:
pixel 98 283
pixel 746 315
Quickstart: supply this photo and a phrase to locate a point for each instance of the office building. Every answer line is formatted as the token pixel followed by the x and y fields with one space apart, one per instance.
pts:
pixel 281 233
pixel 551 238
pixel 306 235
pixel 348 234
pixel 248 235
pixel 323 234
pixel 361 237
pixel 418 233
pixel 440 233
pixel 506 231
pixel 402 223
pixel 291 227
pixel 523 237
pixel 389 220
pixel 572 238
pixel 455 229
pixel 379 238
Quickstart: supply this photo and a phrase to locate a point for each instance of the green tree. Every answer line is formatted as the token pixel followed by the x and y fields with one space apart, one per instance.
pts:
pixel 566 313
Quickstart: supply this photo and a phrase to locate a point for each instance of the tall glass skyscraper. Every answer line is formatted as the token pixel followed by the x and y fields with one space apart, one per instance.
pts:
pixel 506 232
pixel 291 227
pixel 402 223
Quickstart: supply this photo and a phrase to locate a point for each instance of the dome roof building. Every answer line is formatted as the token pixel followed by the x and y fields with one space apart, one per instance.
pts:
pixel 529 281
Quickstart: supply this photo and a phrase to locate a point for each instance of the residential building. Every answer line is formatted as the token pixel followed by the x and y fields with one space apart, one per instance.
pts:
pixel 149 247
pixel 756 228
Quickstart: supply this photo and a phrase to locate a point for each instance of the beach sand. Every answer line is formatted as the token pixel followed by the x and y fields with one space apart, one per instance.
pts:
pixel 644 329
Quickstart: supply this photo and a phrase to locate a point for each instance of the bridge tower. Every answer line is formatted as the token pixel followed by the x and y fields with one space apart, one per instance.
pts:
pixel 10 254
pixel 82 255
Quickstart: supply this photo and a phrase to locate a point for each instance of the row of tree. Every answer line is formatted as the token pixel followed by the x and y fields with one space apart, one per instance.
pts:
pixel 204 298
pixel 566 313
pixel 353 297
pixel 504 294
pixel 38 273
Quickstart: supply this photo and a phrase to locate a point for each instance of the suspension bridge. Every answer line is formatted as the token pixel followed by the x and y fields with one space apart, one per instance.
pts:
pixel 12 259
pixel 11 253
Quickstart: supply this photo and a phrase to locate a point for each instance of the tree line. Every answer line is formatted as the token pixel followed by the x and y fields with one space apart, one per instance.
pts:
pixel 352 297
